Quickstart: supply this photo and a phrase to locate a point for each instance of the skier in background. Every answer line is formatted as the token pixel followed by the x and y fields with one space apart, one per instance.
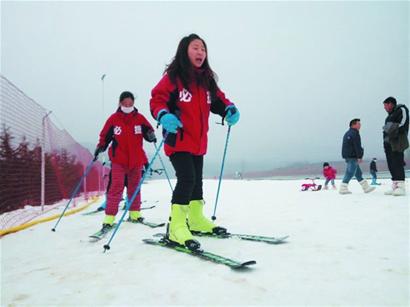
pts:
pixel 181 103
pixel 124 130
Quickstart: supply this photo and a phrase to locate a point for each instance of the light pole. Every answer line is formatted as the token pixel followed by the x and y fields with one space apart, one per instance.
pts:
pixel 43 160
pixel 101 175
pixel 102 93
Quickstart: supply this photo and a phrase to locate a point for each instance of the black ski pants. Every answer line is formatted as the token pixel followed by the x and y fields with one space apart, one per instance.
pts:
pixel 188 170
pixel 395 163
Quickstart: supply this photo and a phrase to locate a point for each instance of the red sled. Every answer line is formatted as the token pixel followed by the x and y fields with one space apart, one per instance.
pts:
pixel 311 186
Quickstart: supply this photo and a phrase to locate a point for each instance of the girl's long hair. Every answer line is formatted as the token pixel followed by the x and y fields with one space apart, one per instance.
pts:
pixel 181 67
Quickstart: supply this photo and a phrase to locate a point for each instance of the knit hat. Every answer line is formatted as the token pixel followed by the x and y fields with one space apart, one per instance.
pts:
pixel 325 164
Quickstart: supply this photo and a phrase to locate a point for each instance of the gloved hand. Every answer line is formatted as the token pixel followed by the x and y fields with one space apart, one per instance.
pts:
pixel 169 121
pixel 232 115
pixel 149 136
pixel 97 151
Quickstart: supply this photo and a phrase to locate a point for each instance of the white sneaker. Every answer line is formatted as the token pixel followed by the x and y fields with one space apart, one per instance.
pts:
pixel 400 189
pixel 393 187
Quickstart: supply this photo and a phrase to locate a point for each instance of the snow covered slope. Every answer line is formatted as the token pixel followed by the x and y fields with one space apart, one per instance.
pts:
pixel 342 250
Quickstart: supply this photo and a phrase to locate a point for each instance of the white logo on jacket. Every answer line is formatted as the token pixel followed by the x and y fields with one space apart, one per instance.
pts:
pixel 208 97
pixel 137 129
pixel 185 96
pixel 117 130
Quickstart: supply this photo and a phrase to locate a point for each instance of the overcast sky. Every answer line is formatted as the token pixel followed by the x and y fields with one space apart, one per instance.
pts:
pixel 298 71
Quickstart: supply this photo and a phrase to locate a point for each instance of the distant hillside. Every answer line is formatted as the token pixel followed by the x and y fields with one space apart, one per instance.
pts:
pixel 311 169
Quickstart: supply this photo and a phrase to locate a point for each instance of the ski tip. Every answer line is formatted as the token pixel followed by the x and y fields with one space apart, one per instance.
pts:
pixel 149 241
pixel 244 265
pixel 281 240
pixel 159 235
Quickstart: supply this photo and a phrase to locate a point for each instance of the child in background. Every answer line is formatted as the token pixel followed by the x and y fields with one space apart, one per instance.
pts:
pixel 330 174
pixel 373 171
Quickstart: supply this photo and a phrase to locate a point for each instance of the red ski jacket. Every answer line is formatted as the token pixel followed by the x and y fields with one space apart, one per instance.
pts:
pixel 329 172
pixel 125 132
pixel 192 107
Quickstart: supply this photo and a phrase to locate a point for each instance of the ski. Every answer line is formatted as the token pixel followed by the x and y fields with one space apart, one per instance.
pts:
pixel 143 222
pixel 94 211
pixel 202 254
pixel 256 238
pixel 102 209
pixel 248 237
pixel 146 208
pixel 101 233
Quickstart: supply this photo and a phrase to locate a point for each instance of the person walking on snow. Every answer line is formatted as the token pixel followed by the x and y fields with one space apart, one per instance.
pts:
pixel 352 152
pixel 124 130
pixel 373 171
pixel 181 103
pixel 330 174
pixel 395 142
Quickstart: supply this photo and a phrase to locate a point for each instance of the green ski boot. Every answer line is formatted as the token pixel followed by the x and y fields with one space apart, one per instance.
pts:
pixel 178 231
pixel 135 216
pixel 197 222
pixel 109 220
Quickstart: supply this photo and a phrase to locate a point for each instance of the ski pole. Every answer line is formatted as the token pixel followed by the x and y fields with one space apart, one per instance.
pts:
pixel 165 170
pixel 137 190
pixel 222 170
pixel 75 191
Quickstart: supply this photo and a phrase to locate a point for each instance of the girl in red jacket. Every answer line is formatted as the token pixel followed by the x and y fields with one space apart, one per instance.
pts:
pixel 181 103
pixel 124 130
pixel 330 175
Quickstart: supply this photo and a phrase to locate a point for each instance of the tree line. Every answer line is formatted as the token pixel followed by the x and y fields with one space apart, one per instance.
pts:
pixel 20 179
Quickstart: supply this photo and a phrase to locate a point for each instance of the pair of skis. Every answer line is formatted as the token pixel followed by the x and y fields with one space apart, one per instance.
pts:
pixel 163 241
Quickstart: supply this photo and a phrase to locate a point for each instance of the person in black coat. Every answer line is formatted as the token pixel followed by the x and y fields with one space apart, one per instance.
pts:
pixel 373 171
pixel 352 152
pixel 395 142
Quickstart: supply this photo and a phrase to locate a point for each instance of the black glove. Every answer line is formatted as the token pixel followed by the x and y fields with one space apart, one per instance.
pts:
pixel 149 136
pixel 97 151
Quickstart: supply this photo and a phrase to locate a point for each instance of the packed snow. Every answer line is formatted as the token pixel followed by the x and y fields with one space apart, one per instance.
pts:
pixel 342 250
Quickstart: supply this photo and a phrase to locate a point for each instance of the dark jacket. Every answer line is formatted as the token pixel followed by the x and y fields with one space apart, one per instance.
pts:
pixel 352 145
pixel 396 129
pixel 373 167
